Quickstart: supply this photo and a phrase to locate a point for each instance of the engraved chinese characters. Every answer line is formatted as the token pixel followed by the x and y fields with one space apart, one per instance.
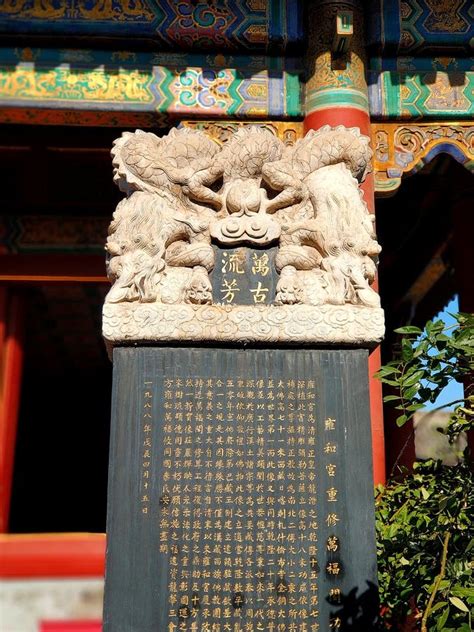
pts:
pixel 239 460
pixel 147 446
pixel 244 276
pixel 294 209
pixel 244 494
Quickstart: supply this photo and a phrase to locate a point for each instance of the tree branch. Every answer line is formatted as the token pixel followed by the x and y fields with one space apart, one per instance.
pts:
pixel 456 401
pixel 442 572
pixel 405 445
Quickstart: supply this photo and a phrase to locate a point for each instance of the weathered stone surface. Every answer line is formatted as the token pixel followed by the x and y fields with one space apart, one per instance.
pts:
pixel 187 195
pixel 240 491
pixel 305 324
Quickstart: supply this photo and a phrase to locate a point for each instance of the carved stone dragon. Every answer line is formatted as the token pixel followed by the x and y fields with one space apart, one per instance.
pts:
pixel 185 192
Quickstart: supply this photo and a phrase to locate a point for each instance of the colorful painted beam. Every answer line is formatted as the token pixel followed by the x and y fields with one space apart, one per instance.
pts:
pixel 423 87
pixel 80 118
pixel 421 26
pixel 173 86
pixel 258 25
pixel 405 148
pixel 36 234
pixel 222 131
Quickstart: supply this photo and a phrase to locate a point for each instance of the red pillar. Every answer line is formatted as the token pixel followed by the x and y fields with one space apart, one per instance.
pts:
pixel 336 94
pixel 11 356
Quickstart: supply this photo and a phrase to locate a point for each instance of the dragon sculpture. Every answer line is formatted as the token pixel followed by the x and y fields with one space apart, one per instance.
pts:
pixel 185 193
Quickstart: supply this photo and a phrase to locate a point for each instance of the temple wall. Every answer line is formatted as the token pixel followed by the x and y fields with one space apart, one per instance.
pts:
pixel 25 604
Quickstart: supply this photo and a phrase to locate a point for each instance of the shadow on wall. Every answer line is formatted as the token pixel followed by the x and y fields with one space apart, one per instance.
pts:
pixel 357 613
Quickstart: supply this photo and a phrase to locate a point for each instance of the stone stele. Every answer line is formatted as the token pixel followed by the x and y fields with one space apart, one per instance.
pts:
pixel 186 195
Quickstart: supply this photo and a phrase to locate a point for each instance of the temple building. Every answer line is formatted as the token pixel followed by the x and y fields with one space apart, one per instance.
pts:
pixel 75 75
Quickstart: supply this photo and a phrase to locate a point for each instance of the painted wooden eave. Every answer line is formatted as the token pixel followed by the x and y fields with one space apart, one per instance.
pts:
pixel 421 88
pixel 233 25
pixel 420 27
pixel 171 85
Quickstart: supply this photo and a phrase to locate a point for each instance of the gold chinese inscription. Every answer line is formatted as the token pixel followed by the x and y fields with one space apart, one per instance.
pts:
pixel 239 522
pixel 146 446
pixel 244 276
pixel 333 520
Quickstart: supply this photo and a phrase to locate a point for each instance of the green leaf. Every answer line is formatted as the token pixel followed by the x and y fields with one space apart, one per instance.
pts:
pixel 389 382
pixel 391 398
pixel 401 420
pixel 407 350
pixel 413 379
pixel 410 393
pixel 421 349
pixel 409 329
pixel 463 592
pixel 460 605
pixel 388 370
pixel 415 406
pixel 425 493
pixel 442 504
pixel 440 623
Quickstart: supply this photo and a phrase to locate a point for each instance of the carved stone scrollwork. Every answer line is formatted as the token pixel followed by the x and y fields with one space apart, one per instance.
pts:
pixel 187 195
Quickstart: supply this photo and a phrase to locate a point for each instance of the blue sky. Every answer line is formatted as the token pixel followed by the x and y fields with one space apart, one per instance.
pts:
pixel 454 390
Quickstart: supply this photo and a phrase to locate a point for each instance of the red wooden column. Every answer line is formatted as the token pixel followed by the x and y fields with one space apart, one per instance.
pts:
pixel 11 362
pixel 49 555
pixel 336 94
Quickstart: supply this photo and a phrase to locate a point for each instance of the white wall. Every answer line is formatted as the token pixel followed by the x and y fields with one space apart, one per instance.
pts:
pixel 24 604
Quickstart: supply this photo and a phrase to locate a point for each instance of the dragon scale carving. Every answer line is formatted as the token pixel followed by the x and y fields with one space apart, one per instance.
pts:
pixel 185 193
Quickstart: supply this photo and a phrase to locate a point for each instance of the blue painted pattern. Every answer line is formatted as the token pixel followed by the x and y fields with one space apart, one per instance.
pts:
pixel 268 25
pixel 421 26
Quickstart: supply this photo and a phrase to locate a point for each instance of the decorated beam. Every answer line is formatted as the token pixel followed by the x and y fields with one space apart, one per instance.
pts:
pixel 403 149
pixel 36 234
pixel 421 26
pixel 415 88
pixel 80 118
pixel 222 131
pixel 170 86
pixel 221 25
